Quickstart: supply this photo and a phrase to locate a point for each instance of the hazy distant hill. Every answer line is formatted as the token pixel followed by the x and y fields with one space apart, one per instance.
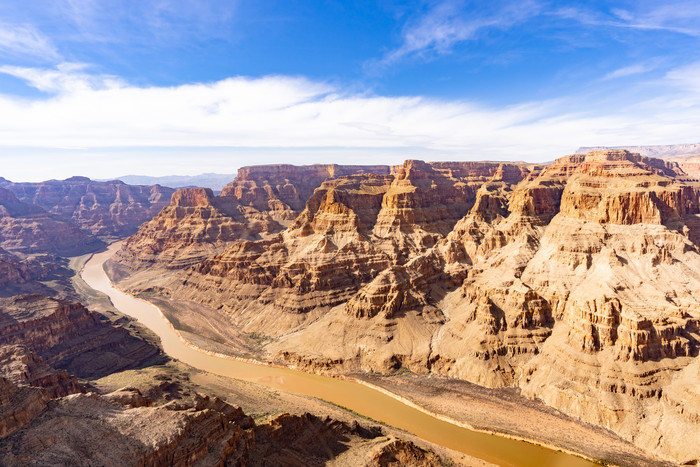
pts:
pixel 209 180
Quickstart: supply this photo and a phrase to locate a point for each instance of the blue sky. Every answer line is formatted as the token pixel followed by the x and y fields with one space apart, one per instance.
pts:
pixel 104 88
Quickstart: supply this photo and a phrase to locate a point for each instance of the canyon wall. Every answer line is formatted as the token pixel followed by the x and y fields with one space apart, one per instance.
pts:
pixel 101 209
pixel 575 282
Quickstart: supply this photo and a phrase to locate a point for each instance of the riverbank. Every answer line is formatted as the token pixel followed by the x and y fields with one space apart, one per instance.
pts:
pixel 358 398
pixel 501 412
pixel 506 413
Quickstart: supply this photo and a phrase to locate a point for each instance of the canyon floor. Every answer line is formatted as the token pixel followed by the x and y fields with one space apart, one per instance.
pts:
pixel 504 411
pixel 87 386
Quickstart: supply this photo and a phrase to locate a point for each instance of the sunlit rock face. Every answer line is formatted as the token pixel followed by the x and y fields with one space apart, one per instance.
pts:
pixel 259 202
pixel 576 281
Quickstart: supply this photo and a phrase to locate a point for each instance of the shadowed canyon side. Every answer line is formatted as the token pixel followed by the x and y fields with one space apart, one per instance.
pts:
pixel 575 282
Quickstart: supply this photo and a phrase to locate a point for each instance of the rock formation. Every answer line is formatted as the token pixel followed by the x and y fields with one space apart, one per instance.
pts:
pixel 12 270
pixel 103 209
pixel 575 281
pixel 67 336
pixel 19 405
pixel 26 228
pixel 260 202
pixel 188 431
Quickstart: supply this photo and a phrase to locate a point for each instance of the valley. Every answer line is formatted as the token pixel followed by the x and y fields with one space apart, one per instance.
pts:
pixel 572 281
pixel 552 303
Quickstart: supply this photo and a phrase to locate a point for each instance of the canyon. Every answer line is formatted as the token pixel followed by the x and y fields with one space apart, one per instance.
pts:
pixel 53 352
pixel 574 283
pixel 79 383
pixel 565 292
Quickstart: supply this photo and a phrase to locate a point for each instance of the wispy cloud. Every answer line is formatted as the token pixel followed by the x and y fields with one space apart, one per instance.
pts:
pixel 151 22
pixel 681 17
pixel 450 22
pixel 677 16
pixel 21 41
pixel 634 69
pixel 66 78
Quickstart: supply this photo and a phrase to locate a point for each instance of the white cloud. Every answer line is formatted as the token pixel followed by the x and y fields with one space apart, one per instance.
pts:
pixel 18 40
pixel 293 115
pixel 687 77
pixel 65 78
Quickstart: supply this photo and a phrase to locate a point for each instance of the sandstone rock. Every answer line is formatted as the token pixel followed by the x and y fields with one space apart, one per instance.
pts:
pixel 575 282
pixel 123 428
pixel 26 228
pixel 21 366
pixel 68 336
pixel 19 406
pixel 261 201
pixel 12 270
pixel 103 209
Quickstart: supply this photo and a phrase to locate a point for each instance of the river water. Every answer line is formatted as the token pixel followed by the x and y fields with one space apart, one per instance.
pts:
pixel 359 398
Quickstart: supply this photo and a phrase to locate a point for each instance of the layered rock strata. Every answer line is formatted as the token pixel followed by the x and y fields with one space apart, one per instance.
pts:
pixel 68 336
pixel 258 203
pixel 575 282
pixel 19 405
pixel 189 431
pixel 102 209
pixel 25 228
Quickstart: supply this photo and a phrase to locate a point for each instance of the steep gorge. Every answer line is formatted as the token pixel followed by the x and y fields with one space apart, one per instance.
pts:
pixel 575 282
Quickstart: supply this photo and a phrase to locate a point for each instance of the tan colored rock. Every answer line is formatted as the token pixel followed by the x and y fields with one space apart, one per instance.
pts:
pixel 575 282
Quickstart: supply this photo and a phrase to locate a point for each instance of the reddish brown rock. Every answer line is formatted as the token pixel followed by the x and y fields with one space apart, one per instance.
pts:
pixel 19 405
pixel 103 209
pixel 68 336
pixel 24 367
pixel 26 228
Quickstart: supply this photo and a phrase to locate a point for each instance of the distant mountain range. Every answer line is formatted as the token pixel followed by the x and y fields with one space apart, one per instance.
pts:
pixel 208 180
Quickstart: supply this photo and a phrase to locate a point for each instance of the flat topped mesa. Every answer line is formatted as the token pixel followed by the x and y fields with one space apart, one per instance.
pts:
pixel 626 158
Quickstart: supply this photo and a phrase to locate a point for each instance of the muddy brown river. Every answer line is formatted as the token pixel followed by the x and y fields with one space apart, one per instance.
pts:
pixel 359 398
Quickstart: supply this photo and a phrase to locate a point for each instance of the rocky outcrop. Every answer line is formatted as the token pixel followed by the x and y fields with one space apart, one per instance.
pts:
pixel 260 202
pixel 19 405
pixel 575 282
pixel 12 270
pixel 68 336
pixel 283 190
pixel 195 226
pixel 21 366
pixel 402 453
pixel 195 431
pixel 102 209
